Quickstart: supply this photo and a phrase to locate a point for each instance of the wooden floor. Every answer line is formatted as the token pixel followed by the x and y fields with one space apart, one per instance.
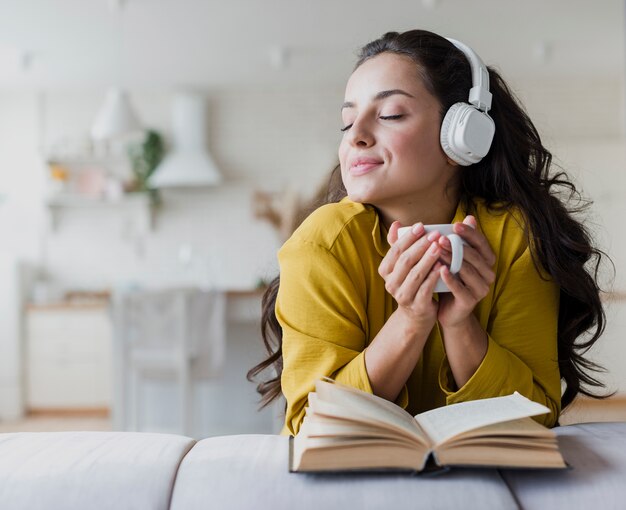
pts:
pixel 60 420
pixel 56 424
pixel 583 410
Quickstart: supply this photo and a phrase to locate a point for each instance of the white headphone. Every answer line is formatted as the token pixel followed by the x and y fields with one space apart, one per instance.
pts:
pixel 467 130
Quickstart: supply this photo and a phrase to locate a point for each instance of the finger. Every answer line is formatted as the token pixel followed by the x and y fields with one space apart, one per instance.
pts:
pixel 471 221
pixel 473 281
pixel 456 286
pixel 471 256
pixel 427 289
pixel 399 247
pixel 425 294
pixel 410 285
pixel 476 239
pixel 408 260
pixel 392 236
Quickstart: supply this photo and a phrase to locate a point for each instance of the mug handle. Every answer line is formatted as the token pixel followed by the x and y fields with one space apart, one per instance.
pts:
pixel 457 253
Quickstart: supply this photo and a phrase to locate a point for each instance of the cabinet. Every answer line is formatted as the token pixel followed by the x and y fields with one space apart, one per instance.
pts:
pixel 68 357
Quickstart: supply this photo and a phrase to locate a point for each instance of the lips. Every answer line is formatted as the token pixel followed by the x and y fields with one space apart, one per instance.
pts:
pixel 360 166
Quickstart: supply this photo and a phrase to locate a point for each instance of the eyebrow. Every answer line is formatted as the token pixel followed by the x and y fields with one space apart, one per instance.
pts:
pixel 381 95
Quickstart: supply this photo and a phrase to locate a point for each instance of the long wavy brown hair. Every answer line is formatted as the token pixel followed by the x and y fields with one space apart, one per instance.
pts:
pixel 515 173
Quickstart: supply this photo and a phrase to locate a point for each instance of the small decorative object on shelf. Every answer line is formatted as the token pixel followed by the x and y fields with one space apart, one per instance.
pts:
pixel 83 178
pixel 261 284
pixel 87 177
pixel 59 177
pixel 144 158
pixel 287 209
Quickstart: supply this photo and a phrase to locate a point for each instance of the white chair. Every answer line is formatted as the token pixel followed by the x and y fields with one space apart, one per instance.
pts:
pixel 176 335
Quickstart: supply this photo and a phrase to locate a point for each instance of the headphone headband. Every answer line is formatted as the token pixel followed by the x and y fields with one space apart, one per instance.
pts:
pixel 479 95
pixel 467 129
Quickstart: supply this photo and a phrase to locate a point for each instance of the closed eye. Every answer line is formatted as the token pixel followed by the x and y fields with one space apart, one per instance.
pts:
pixel 392 117
pixel 386 117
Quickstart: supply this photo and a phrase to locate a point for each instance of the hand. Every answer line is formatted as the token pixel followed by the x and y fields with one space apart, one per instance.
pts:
pixel 411 270
pixel 472 282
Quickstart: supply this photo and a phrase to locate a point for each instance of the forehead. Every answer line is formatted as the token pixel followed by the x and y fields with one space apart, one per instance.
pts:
pixel 386 71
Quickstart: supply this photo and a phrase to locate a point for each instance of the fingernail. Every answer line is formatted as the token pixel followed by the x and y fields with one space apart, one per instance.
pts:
pixel 432 236
pixel 417 228
pixel 433 248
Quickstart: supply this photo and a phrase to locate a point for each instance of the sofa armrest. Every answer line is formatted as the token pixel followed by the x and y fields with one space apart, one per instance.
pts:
pixel 596 453
pixel 94 470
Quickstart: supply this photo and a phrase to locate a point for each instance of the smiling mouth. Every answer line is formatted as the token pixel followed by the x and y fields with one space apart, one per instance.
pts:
pixel 364 168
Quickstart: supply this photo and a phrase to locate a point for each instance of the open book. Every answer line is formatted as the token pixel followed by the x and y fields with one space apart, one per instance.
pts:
pixel 348 429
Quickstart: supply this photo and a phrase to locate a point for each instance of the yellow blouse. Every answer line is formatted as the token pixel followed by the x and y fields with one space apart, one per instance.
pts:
pixel 332 303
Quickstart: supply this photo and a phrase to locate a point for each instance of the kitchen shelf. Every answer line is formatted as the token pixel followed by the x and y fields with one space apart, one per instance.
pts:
pixel 143 207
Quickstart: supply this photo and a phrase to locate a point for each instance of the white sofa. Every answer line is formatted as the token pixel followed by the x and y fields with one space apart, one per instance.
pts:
pixel 127 470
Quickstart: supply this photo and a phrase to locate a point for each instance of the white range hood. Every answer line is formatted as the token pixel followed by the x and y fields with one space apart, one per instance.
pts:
pixel 189 163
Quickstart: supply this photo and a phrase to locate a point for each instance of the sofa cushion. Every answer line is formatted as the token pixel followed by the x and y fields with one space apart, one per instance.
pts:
pixel 89 470
pixel 596 453
pixel 250 471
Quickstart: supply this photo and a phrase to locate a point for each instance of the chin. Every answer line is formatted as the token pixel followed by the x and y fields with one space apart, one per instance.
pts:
pixel 362 194
pixel 360 197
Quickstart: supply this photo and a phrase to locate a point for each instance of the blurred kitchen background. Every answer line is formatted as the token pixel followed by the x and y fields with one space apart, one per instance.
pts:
pixel 154 154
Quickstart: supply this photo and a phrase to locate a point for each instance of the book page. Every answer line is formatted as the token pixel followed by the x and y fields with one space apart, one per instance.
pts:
pixel 445 423
pixel 354 420
pixel 362 404
pixel 523 427
pixel 321 423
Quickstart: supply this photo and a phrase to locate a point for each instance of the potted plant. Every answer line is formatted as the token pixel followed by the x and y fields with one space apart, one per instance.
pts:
pixel 144 158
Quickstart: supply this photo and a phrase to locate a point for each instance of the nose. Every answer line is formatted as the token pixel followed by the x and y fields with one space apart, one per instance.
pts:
pixel 360 135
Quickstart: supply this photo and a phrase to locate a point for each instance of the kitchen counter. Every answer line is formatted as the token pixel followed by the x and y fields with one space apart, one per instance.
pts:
pixel 243 305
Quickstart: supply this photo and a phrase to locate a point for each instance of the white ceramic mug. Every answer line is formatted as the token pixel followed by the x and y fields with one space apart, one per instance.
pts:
pixel 457 248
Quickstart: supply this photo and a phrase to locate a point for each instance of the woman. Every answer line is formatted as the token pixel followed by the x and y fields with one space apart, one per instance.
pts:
pixel 356 303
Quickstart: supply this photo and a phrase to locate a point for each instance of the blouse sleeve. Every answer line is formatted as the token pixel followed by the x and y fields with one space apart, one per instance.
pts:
pixel 322 316
pixel 522 350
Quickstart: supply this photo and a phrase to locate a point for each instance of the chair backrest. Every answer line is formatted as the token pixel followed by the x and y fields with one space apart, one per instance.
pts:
pixel 207 313
pixel 187 322
pixel 156 319
pixel 185 327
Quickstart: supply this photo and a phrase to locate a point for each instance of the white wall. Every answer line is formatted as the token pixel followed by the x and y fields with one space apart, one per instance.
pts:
pixel 11 388
pixel 260 139
pixel 585 133
pixel 265 138
pixel 582 122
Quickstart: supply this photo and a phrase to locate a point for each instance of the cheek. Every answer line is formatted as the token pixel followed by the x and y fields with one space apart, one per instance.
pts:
pixel 407 144
pixel 423 144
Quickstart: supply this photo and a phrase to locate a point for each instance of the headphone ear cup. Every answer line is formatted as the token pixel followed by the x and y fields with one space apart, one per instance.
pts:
pixel 448 128
pixel 466 134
